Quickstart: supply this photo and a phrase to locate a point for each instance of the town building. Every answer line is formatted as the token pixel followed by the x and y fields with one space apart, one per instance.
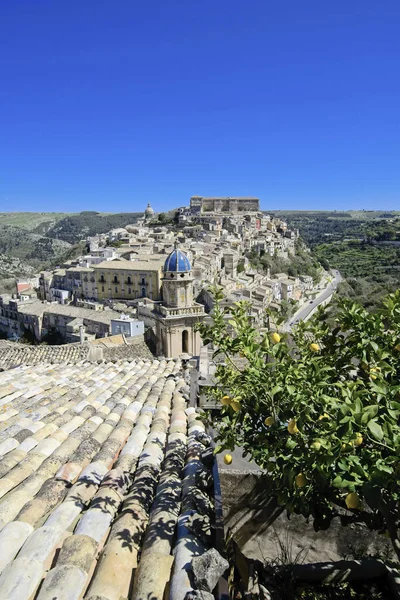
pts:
pixel 200 205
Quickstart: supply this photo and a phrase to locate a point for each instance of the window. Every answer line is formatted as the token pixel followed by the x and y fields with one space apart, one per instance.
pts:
pixel 130 291
pixel 143 292
pixel 185 340
pixel 143 281
pixel 102 288
pixel 116 289
pixel 129 281
pixel 115 279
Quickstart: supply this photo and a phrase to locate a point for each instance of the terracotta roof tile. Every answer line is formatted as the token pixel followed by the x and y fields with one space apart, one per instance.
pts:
pixel 99 473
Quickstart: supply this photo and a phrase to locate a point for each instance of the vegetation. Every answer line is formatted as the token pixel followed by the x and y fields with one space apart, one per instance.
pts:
pixel 31 220
pixel 319 226
pixel 319 412
pixel 77 227
pixel 30 247
pixel 303 263
pixel 364 246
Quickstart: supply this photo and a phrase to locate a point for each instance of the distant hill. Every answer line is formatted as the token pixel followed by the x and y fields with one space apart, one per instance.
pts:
pixel 73 228
pixel 31 220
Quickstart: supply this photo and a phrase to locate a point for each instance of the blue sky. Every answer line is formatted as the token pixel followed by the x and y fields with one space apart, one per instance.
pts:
pixel 107 105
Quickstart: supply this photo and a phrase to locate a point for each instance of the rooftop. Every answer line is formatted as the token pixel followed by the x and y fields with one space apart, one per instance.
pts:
pixel 101 479
pixel 142 264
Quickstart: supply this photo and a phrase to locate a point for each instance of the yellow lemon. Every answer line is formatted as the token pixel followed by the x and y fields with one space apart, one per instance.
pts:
pixel 373 371
pixel 316 446
pixel 235 405
pixel 227 459
pixel 397 347
pixel 324 416
pixel 226 400
pixel 269 421
pixel 352 500
pixel 358 439
pixel 347 447
pixel 315 347
pixel 276 338
pixel 300 480
pixel 292 427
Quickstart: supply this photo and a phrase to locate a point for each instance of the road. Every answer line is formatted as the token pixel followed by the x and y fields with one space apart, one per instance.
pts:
pixel 305 310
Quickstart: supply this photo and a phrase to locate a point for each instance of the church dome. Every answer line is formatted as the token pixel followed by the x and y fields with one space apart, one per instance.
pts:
pixel 149 212
pixel 177 261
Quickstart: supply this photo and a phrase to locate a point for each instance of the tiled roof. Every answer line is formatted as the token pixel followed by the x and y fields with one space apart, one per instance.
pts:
pixel 103 490
pixel 130 265
pixel 13 354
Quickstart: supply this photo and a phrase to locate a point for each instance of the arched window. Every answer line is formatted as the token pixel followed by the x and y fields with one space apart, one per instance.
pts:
pixel 185 341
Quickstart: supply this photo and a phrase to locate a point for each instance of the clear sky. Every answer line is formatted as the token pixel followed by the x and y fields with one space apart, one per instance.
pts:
pixel 109 104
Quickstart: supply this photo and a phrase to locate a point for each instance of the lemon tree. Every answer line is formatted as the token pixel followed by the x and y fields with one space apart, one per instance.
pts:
pixel 319 410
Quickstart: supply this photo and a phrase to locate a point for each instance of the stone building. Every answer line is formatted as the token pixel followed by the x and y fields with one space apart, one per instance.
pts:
pixel 199 205
pixel 129 279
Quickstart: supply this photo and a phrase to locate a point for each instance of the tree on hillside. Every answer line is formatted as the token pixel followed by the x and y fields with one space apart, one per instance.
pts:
pixel 319 411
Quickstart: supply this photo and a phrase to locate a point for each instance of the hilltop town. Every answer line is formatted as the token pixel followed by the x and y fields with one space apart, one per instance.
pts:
pixel 151 279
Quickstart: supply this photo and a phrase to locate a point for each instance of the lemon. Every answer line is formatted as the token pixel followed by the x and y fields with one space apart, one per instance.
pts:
pixel 226 400
pixel 276 338
pixel 397 347
pixel 347 447
pixel 235 405
pixel 300 480
pixel 269 421
pixel 315 347
pixel 292 427
pixel 373 371
pixel 316 446
pixel 352 500
pixel 358 439
pixel 324 416
pixel 228 459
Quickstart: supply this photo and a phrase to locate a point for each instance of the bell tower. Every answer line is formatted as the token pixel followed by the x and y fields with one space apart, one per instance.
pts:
pixel 179 313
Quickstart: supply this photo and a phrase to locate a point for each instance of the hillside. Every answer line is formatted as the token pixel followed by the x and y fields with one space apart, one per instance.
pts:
pixel 77 227
pixel 364 246
pixel 31 220
pixel 30 247
pixel 320 226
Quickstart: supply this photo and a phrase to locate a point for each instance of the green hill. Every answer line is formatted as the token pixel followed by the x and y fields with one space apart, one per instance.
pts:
pixel 77 227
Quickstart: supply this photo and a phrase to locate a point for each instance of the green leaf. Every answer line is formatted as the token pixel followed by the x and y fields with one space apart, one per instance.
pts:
pixel 375 429
pixel 276 389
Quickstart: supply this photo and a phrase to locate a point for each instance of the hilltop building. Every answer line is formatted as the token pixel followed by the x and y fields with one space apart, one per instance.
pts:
pixel 200 205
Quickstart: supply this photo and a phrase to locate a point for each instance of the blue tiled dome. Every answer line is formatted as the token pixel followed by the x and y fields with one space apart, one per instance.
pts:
pixel 177 261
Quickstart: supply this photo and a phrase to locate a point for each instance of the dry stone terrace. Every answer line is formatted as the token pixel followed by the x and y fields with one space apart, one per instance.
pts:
pixel 105 484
